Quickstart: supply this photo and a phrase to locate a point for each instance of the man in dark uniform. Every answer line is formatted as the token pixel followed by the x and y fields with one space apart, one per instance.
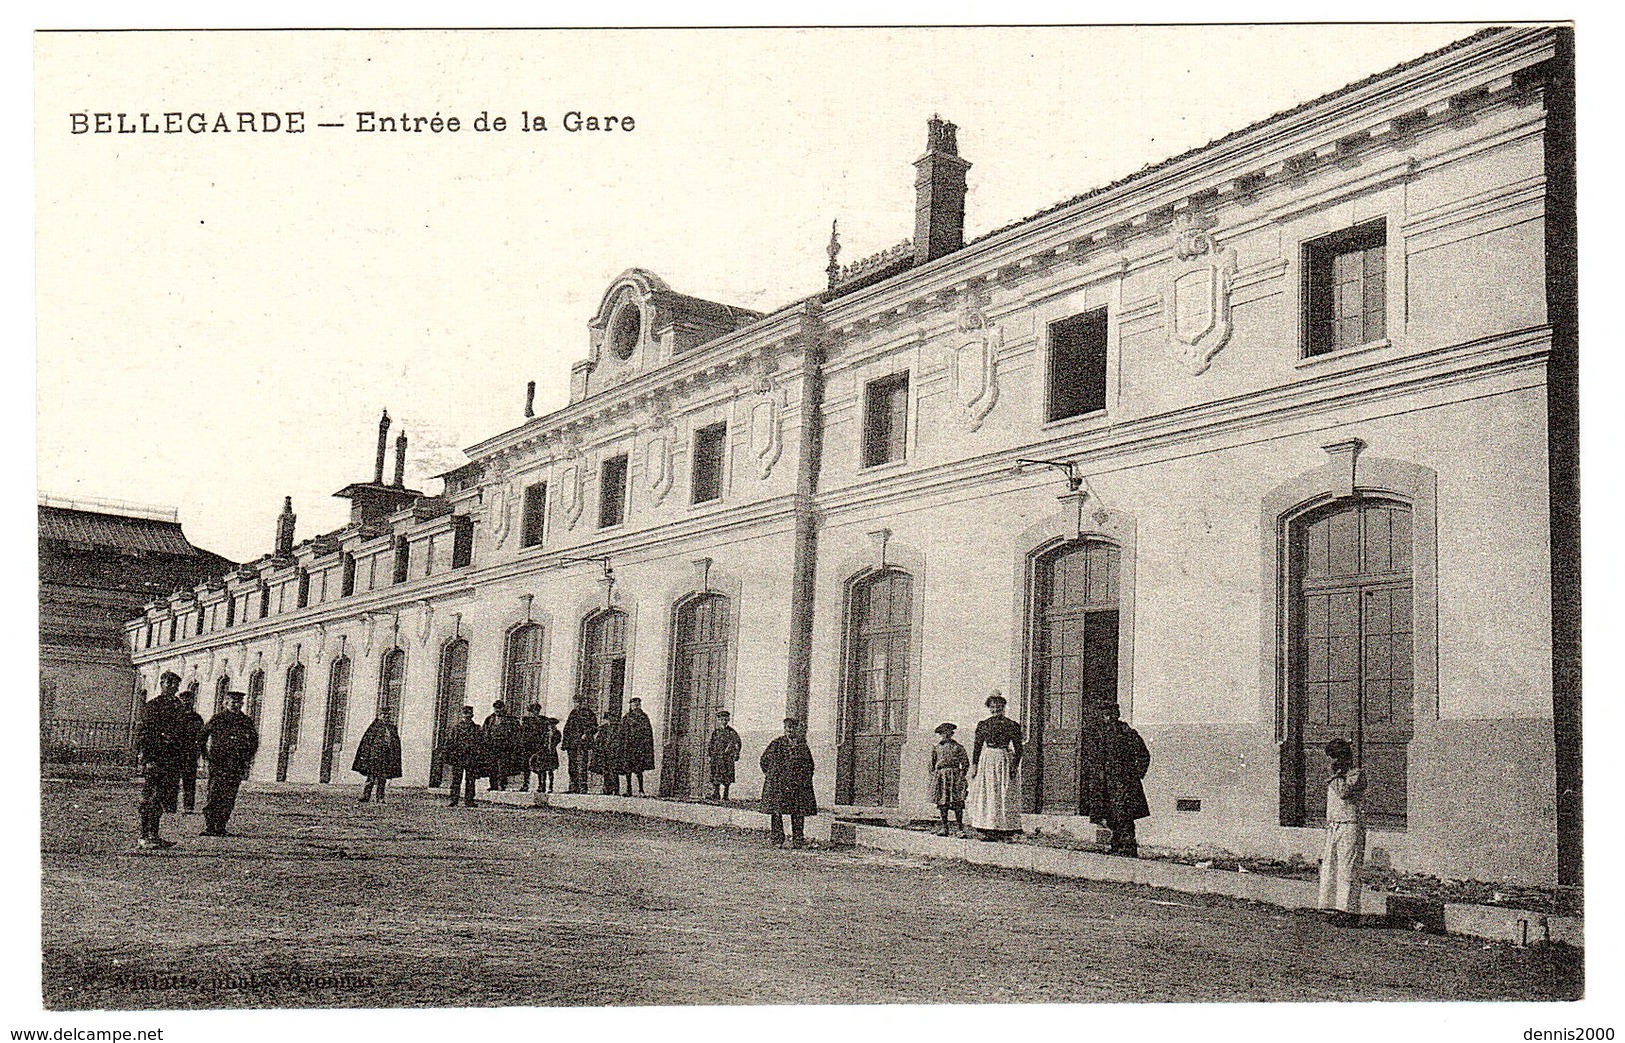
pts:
pixel 190 749
pixel 500 735
pixel 787 783
pixel 722 751
pixel 606 752
pixel 637 735
pixel 1126 760
pixel 580 728
pixel 229 742
pixel 159 748
pixel 532 733
pixel 462 753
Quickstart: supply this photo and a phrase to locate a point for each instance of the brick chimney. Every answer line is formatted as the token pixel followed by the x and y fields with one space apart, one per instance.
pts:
pixel 284 528
pixel 383 444
pixel 400 460
pixel 939 194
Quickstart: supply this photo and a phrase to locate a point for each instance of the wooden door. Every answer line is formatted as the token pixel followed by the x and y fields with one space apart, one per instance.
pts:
pixel 1350 670
pixel 1073 676
pixel 525 669
pixel 449 700
pixel 338 702
pixel 293 710
pixel 603 662
pixel 880 622
pixel 699 671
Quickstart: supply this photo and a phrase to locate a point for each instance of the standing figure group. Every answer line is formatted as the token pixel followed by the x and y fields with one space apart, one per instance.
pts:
pixel 539 748
pixel 169 738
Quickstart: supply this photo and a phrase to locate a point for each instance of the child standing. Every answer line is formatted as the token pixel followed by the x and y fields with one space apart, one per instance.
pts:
pixel 949 762
pixel 1343 856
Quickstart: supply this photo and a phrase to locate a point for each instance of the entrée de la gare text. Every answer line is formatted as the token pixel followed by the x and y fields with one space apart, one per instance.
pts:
pixel 366 122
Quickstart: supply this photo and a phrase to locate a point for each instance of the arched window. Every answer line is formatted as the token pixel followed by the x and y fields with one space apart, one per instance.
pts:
pixel 450 693
pixel 222 688
pixel 390 681
pixel 256 696
pixel 1072 675
pixel 524 668
pixel 603 661
pixel 1349 642
pixel 879 626
pixel 293 711
pixel 338 701
pixel 698 690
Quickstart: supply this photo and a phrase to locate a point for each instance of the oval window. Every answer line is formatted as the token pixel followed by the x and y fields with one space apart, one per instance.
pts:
pixel 624 331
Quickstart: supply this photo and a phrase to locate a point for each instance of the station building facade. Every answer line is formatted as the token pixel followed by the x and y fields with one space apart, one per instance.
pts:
pixel 1270 443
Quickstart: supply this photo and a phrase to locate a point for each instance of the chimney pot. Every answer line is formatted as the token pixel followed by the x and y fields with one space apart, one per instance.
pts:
pixel 383 444
pixel 530 399
pixel 939 194
pixel 400 460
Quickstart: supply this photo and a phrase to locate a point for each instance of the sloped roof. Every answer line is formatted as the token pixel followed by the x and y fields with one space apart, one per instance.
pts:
pixel 116 531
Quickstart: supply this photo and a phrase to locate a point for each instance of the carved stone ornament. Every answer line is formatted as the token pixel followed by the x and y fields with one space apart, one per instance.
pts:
pixel 572 490
pixel 657 462
pixel 767 407
pixel 497 506
pixel 973 363
pixel 369 623
pixel 1196 301
pixel 425 623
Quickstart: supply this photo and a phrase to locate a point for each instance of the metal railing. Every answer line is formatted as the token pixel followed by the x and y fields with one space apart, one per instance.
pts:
pixel 68 741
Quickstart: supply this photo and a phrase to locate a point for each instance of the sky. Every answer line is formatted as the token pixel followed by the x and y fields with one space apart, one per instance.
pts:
pixel 221 317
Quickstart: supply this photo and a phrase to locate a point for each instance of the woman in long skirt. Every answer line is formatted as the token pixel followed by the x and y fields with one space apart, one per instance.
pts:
pixel 995 781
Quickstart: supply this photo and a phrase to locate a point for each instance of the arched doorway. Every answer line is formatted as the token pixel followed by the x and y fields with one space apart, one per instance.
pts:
pixel 603 661
pixel 880 622
pixel 338 702
pixel 450 695
pixel 390 681
pixel 293 710
pixel 1072 675
pixel 524 668
pixel 1349 637
pixel 698 691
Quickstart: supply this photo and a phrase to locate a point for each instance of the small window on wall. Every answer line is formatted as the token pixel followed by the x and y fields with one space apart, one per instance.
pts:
pixel 231 610
pixel 612 492
pixel 348 586
pixel 1346 288
pixel 1077 365
pixel 535 515
pixel 462 541
pixel 265 601
pixel 885 420
pixel 403 559
pixel 199 621
pixel 304 589
pixel 710 442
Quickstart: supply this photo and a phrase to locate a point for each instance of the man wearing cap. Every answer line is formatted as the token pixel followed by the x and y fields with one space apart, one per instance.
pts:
pixel 378 756
pixel 187 753
pixel 500 734
pixel 461 752
pixel 1126 762
pixel 580 728
pixel 532 732
pixel 787 783
pixel 159 748
pixel 637 744
pixel 229 742
pixel 722 751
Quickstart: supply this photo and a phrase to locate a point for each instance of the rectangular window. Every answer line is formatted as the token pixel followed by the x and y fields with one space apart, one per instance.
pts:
pixel 535 515
pixel 462 541
pixel 710 443
pixel 173 621
pixel 885 420
pixel 231 610
pixel 403 559
pixel 1346 288
pixel 1077 365
pixel 612 492
pixel 304 589
pixel 348 586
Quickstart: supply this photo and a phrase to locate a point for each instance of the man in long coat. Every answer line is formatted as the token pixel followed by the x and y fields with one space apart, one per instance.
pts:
pixel 160 748
pixel 606 752
pixel 787 783
pixel 501 737
pixel 532 733
pixel 191 748
pixel 637 736
pixel 229 743
pixel 1125 762
pixel 378 756
pixel 462 752
pixel 722 751
pixel 580 729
